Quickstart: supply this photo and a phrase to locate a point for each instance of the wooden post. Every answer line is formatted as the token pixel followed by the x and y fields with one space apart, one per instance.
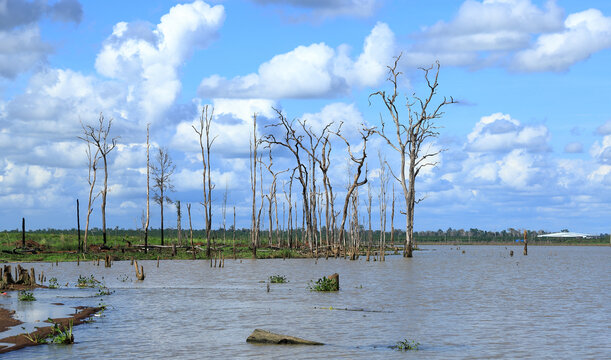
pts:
pixel 23 233
pixel 525 244
pixel 78 226
pixel 157 260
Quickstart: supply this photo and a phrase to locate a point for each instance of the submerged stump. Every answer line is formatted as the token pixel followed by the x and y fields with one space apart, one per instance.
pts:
pixel 265 337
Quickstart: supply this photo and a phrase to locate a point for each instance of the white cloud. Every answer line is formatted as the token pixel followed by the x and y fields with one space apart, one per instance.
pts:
pixel 585 33
pixel 602 150
pixel 499 132
pixel 149 59
pixel 329 8
pixel 482 32
pixel 573 148
pixel 20 50
pixel 310 71
pixel 21 47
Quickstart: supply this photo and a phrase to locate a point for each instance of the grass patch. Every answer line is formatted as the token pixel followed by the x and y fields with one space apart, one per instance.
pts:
pixel 324 284
pixel 26 296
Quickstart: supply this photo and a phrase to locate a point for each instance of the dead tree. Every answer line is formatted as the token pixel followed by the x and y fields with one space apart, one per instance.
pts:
pixel 205 121
pixel 392 217
pixel 356 182
pixel 148 204
pixel 191 230
pixel 178 222
pixel 271 196
pixel 98 138
pixel 410 136
pixel 162 172
pixel 224 215
pixel 290 140
pixel 254 159
pixel 288 197
pixel 382 202
pixel 369 231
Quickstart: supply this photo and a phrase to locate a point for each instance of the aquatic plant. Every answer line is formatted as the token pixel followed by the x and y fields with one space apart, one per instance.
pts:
pixel 53 284
pixel 277 279
pixel 84 281
pixel 405 345
pixel 26 296
pixel 33 337
pixel 62 335
pixel 103 291
pixel 324 284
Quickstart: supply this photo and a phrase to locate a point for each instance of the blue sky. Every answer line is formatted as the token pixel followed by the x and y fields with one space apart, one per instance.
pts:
pixel 529 145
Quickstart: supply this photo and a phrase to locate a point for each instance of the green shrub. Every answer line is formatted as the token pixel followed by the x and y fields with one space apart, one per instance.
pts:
pixel 405 345
pixel 277 279
pixel 26 296
pixel 53 284
pixel 324 284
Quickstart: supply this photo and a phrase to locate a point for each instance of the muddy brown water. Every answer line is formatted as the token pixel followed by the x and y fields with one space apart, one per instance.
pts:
pixel 483 304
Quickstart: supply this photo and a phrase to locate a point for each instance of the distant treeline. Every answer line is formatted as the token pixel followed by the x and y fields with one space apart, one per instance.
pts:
pixel 450 235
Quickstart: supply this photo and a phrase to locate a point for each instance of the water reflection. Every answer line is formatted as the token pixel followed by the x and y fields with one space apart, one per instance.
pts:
pixel 480 304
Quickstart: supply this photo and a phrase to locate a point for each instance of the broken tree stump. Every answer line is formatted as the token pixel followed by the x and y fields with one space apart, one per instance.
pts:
pixel 139 272
pixel 265 337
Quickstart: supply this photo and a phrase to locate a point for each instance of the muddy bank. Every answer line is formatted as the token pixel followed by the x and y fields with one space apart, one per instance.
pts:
pixel 7 320
pixel 20 341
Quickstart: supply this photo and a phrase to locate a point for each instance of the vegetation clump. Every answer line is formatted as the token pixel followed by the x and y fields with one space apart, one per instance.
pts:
pixel 89 282
pixel 53 284
pixel 324 284
pixel 26 296
pixel 405 345
pixel 277 279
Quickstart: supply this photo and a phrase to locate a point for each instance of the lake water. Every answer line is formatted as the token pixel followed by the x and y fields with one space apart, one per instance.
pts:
pixel 481 304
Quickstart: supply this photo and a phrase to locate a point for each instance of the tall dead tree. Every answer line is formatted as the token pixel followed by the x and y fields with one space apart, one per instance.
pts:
pixel 162 173
pixel 224 215
pixel 98 138
pixel 205 121
pixel 356 180
pixel 411 134
pixel 290 140
pixel 178 222
pixel 148 187
pixel 254 159
pixel 382 199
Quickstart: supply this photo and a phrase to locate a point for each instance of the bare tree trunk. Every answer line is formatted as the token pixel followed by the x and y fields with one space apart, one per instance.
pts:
pixel 23 233
pixel 191 229
pixel 224 216
pixel 204 129
pixel 148 206
pixel 178 222
pixel 253 182
pixel 78 226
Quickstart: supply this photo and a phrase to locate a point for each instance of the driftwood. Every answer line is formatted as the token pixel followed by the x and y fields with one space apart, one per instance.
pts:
pixel 265 337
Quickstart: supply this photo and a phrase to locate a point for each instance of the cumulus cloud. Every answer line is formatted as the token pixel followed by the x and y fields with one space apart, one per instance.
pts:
pixel 310 71
pixel 516 34
pixel 328 8
pixel 149 58
pixel 482 32
pixel 500 133
pixel 584 33
pixel 602 150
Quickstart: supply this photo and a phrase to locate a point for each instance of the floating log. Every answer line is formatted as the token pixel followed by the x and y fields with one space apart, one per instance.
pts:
pixel 265 337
